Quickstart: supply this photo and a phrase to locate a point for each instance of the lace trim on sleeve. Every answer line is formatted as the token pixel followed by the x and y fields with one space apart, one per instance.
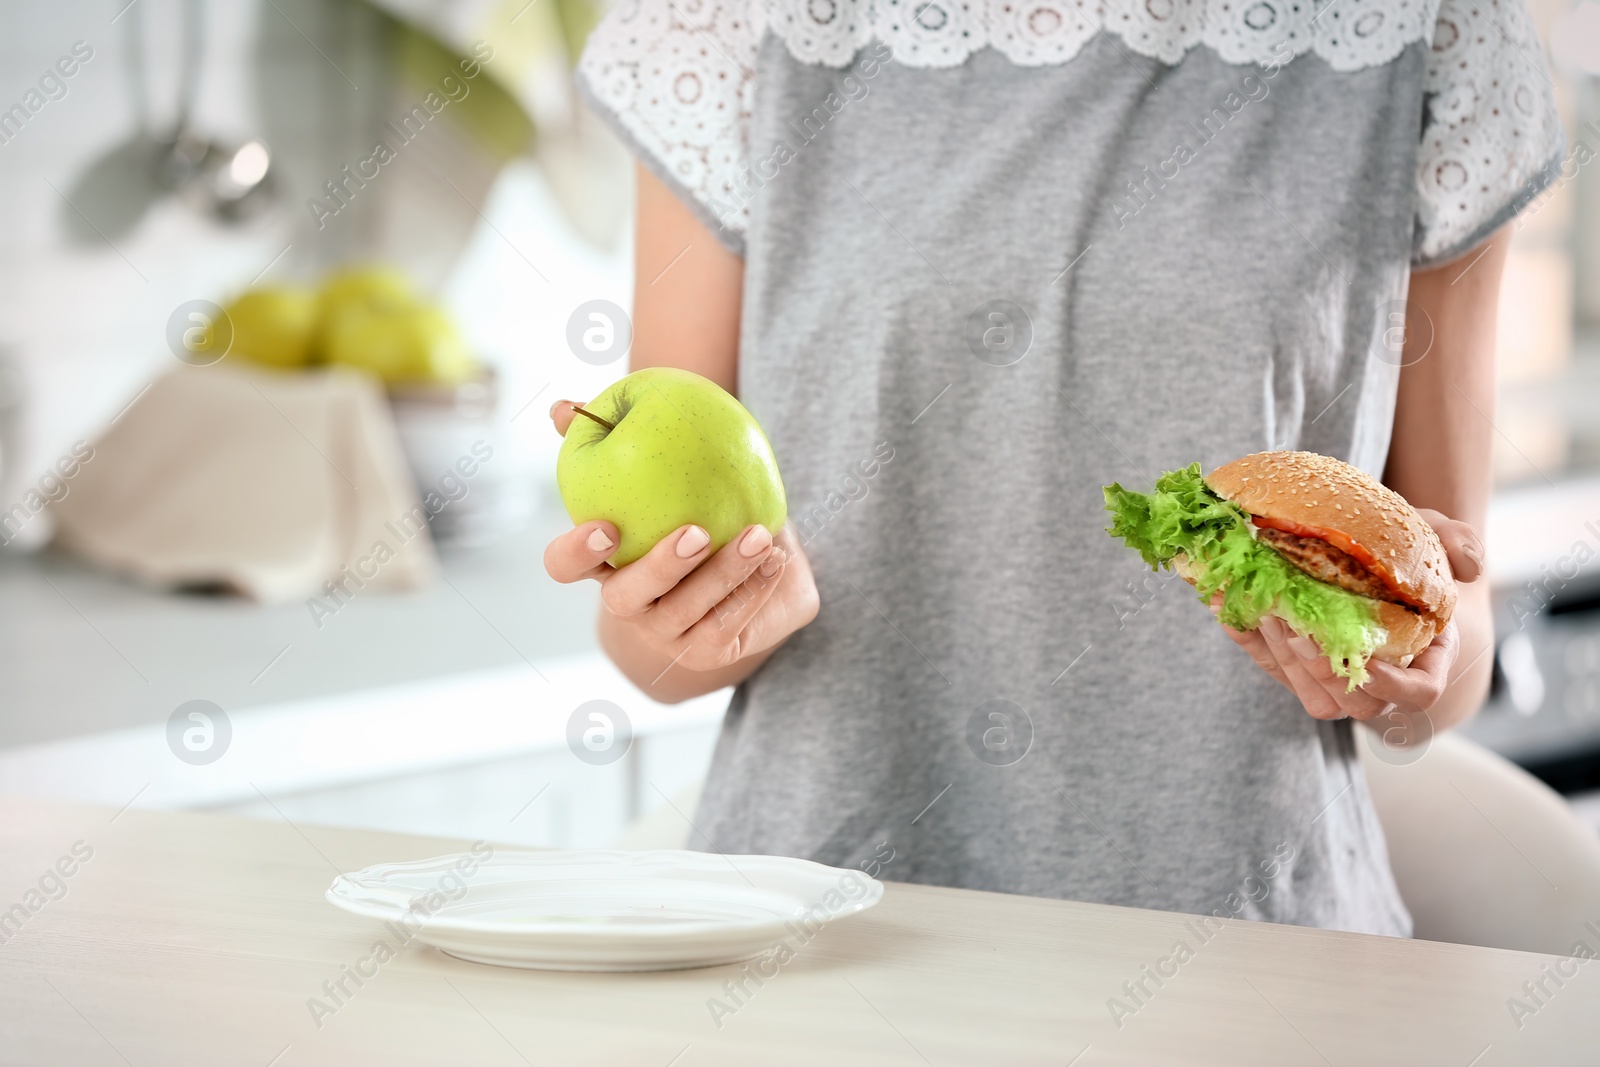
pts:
pixel 676 78
pixel 1491 131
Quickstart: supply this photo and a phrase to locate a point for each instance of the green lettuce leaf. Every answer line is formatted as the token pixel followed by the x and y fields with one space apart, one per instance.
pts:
pixel 1183 515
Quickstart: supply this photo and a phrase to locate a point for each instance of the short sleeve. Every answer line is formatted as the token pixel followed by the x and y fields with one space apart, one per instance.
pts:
pixel 1491 136
pixel 674 79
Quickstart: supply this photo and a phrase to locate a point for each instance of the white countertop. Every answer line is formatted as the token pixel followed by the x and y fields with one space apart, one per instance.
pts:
pixel 83 652
pixel 193 939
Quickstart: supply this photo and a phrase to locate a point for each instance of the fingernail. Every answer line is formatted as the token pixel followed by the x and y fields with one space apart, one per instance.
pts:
pixel 556 405
pixel 1304 647
pixel 755 541
pixel 773 563
pixel 1473 551
pixel 692 542
pixel 599 542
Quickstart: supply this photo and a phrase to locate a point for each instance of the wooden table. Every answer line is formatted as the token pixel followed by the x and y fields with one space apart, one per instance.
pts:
pixel 195 939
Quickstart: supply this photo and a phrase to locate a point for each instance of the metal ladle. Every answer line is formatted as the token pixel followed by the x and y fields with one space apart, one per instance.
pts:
pixel 226 182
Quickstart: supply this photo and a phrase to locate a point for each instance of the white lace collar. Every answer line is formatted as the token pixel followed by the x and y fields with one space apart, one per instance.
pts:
pixel 677 78
pixel 1348 34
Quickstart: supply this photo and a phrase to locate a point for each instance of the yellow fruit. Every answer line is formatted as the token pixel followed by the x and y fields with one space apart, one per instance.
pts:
pixel 274 326
pixel 399 343
pixel 366 285
pixel 371 318
pixel 358 288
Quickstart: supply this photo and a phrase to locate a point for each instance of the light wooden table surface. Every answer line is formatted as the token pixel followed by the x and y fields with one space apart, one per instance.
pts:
pixel 193 939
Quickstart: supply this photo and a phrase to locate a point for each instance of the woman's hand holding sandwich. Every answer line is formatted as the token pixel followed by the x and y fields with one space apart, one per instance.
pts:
pixel 1438 453
pixel 1301 666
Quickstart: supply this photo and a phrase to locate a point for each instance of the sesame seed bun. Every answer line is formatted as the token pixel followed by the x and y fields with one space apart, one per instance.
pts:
pixel 1320 491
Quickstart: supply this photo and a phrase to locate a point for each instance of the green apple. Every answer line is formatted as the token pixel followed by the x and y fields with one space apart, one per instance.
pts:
pixel 664 448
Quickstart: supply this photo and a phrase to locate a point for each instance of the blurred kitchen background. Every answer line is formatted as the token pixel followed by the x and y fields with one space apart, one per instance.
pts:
pixel 204 157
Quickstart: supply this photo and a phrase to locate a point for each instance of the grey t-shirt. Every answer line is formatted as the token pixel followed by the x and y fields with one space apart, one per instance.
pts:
pixel 978 288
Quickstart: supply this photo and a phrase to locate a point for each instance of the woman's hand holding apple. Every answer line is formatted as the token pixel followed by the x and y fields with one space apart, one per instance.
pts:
pixel 681 605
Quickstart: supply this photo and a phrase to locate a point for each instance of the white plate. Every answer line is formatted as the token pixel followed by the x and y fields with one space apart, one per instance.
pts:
pixel 605 910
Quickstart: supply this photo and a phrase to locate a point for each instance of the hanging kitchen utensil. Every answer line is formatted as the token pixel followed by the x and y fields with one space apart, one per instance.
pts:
pixel 222 181
pixel 109 197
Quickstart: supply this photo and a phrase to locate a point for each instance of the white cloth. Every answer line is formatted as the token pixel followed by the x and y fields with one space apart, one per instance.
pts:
pixel 265 483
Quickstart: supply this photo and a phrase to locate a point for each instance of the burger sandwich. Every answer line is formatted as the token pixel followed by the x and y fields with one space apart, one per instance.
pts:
pixel 1336 554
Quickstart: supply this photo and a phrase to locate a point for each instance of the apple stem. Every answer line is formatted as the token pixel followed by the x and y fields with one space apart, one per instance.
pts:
pixel 596 418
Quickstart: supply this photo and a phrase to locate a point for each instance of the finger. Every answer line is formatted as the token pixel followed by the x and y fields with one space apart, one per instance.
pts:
pixel 1256 647
pixel 581 552
pixel 1461 543
pixel 794 602
pixel 561 414
pixel 710 585
pixel 1318 702
pixel 1419 686
pixel 635 587
pixel 1442 651
pixel 720 638
pixel 1353 702
pixel 1254 643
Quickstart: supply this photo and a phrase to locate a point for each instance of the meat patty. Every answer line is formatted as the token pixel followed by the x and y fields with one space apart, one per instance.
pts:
pixel 1328 564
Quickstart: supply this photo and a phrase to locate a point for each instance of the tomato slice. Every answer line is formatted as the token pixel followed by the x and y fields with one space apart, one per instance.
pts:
pixel 1345 544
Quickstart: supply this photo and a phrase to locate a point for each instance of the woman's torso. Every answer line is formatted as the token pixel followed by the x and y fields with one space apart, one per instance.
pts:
pixel 974 294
